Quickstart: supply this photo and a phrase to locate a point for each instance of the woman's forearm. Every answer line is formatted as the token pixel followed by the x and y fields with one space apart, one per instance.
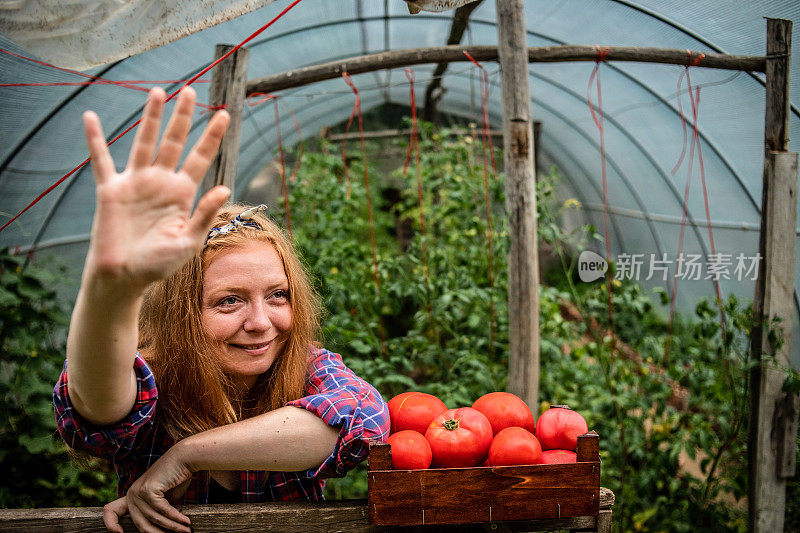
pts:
pixel 289 439
pixel 101 347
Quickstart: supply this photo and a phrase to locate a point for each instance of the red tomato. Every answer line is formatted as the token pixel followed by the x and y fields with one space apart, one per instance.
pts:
pixel 552 457
pixel 515 446
pixel 410 450
pixel 558 428
pixel 414 410
pixel 459 438
pixel 505 410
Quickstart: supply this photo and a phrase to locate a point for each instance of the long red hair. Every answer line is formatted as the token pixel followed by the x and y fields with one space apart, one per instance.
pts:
pixel 194 394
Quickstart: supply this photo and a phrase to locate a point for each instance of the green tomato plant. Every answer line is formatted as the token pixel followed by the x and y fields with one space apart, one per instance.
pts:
pixel 673 436
pixel 37 468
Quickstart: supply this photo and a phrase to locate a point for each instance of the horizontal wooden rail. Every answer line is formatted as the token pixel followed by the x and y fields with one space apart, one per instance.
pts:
pixel 454 53
pixel 383 134
pixel 299 517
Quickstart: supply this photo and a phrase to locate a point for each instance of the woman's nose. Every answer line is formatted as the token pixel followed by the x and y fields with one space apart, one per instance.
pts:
pixel 258 319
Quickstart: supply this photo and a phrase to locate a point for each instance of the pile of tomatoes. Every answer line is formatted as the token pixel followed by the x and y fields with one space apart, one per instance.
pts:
pixel 498 430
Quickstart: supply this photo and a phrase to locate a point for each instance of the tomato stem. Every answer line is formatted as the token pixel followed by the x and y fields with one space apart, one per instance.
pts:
pixel 450 424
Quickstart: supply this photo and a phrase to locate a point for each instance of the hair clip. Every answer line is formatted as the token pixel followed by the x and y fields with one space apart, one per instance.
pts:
pixel 243 219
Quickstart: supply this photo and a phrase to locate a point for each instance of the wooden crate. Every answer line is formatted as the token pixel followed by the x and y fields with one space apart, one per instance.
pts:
pixel 483 494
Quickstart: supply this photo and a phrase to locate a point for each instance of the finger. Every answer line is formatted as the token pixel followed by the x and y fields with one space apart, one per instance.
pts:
pixel 102 164
pixel 174 139
pixel 205 149
pixel 144 144
pixel 112 512
pixel 162 514
pixel 206 209
pixel 141 522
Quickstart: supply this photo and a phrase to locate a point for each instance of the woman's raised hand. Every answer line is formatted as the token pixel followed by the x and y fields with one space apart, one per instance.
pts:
pixel 143 228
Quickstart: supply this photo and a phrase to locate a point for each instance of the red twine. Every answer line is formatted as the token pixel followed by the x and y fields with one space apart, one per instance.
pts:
pixel 487 140
pixel 96 80
pixel 414 143
pixel 267 97
pixel 694 98
pixel 170 97
pixel 283 167
pixel 357 110
pixel 485 130
pixel 602 53
pixel 84 83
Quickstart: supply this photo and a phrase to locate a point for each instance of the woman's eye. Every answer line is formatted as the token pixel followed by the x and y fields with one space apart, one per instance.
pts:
pixel 281 295
pixel 228 300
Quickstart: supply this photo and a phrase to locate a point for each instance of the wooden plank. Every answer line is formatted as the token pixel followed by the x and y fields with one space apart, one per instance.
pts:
pixel 773 419
pixel 298 517
pixel 483 494
pixel 228 83
pixel 455 53
pixel 520 187
pixel 290 517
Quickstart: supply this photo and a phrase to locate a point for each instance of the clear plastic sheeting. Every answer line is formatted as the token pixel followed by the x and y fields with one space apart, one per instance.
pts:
pixel 80 34
pixel 41 139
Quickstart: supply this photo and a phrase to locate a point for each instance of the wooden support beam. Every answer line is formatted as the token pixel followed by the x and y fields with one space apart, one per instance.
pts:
pixel 228 83
pixel 383 134
pixel 520 187
pixel 455 53
pixel 779 49
pixel 773 414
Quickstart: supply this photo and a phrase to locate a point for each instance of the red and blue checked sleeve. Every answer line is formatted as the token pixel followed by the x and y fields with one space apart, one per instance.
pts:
pixel 348 403
pixel 107 442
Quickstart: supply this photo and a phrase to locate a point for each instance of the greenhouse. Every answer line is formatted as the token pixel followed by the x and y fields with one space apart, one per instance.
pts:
pixel 443 169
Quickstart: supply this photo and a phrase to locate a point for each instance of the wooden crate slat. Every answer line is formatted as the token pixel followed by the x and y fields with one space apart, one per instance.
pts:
pixel 464 495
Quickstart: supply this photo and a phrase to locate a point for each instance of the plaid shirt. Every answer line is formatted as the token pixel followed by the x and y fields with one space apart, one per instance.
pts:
pixel 333 392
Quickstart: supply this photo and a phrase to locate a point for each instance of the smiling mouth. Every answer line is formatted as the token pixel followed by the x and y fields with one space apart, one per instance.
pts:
pixel 259 346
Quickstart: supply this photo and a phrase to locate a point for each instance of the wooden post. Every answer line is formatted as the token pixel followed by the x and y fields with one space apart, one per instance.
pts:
pixel 523 269
pixel 773 414
pixel 537 132
pixel 228 86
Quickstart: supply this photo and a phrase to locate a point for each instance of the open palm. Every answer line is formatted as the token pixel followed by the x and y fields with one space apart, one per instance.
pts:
pixel 143 228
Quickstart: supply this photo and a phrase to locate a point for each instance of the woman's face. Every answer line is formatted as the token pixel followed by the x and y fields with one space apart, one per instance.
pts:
pixel 246 306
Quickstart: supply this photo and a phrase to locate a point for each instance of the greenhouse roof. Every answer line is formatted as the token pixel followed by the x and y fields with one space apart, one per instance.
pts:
pixel 41 139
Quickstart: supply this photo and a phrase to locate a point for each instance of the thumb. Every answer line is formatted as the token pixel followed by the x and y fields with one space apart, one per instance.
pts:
pixel 206 208
pixel 112 512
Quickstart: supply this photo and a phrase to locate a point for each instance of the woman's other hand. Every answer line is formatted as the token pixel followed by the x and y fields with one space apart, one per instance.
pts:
pixel 112 512
pixel 148 499
pixel 143 228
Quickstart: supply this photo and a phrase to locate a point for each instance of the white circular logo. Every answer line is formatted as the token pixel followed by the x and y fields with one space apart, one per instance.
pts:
pixel 591 266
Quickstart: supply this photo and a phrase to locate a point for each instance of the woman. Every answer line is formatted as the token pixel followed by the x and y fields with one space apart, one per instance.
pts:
pixel 191 362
